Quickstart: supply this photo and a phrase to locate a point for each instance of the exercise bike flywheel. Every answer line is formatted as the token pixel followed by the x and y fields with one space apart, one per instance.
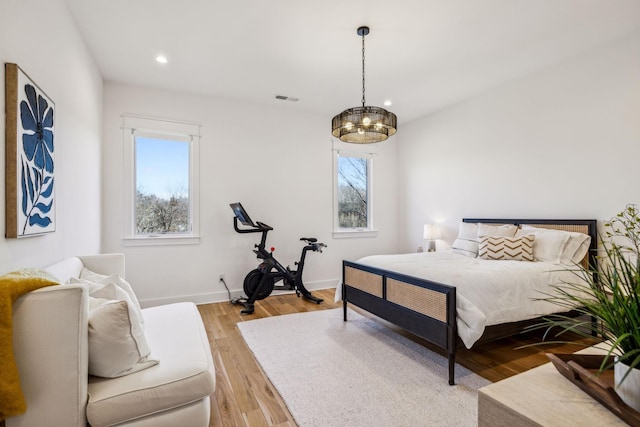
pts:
pixel 251 282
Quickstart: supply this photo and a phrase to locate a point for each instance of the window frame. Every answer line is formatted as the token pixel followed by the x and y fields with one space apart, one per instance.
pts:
pixel 135 126
pixel 369 230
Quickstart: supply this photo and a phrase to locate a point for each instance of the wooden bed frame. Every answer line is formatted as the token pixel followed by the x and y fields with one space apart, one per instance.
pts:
pixel 428 309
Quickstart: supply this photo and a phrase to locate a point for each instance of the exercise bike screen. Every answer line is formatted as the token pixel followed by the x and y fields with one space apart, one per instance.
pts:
pixel 241 214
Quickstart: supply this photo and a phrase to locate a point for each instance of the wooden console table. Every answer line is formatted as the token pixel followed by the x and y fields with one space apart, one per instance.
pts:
pixel 541 397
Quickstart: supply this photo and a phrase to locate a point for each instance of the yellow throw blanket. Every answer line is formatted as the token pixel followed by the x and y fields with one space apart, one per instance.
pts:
pixel 12 285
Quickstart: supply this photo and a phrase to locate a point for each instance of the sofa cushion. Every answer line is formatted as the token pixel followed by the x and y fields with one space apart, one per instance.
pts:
pixel 185 373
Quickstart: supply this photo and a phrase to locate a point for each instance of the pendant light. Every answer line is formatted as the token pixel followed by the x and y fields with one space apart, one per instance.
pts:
pixel 366 124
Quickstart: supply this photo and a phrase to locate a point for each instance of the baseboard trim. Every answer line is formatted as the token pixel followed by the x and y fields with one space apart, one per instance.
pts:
pixel 222 296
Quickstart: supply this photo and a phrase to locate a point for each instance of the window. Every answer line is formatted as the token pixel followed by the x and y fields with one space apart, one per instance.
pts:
pixel 161 186
pixel 352 194
pixel 162 202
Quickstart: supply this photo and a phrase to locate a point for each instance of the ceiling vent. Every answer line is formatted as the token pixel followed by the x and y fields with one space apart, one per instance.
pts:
pixel 287 98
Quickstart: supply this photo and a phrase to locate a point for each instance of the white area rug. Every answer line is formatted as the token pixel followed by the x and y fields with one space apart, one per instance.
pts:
pixel 358 373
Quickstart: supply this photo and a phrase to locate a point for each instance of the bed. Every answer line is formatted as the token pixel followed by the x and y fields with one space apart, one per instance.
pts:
pixel 445 297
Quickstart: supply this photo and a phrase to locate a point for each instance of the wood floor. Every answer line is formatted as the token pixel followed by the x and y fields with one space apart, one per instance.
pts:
pixel 245 397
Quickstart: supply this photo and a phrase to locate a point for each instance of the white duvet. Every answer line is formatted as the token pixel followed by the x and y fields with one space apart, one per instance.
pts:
pixel 488 292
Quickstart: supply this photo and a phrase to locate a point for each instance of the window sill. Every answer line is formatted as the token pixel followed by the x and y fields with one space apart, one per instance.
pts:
pixel 161 240
pixel 350 234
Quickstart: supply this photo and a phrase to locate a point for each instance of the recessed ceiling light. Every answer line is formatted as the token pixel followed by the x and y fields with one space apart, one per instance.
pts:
pixel 161 59
pixel 387 103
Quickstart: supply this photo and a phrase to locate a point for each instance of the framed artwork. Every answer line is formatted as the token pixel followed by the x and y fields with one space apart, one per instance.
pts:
pixel 29 157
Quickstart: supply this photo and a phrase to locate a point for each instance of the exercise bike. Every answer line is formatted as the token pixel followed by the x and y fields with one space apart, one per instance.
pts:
pixel 260 282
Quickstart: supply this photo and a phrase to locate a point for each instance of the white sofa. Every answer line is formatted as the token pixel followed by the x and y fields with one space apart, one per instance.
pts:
pixel 50 338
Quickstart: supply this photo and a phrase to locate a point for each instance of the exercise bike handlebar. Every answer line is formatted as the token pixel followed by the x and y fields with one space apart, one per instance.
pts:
pixel 263 228
pixel 259 228
pixel 317 247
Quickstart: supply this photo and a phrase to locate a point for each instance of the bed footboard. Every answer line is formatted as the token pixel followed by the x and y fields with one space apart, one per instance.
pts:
pixel 422 307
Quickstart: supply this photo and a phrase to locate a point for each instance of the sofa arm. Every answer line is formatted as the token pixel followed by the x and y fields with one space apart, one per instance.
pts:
pixel 51 350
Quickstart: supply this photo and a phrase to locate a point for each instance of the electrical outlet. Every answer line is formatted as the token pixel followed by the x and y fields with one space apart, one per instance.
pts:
pixel 221 276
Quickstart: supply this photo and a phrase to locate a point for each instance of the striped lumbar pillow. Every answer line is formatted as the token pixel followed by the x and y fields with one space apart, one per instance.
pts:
pixel 506 248
pixel 467 241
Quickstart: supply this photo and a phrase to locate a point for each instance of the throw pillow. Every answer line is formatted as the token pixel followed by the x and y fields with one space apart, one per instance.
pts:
pixel 117 343
pixel 92 276
pixel 506 248
pixel 467 241
pixel 576 248
pixel 508 230
pixel 114 280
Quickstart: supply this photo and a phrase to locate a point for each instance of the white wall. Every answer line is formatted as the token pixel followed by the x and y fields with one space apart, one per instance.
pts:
pixel 276 161
pixel 562 143
pixel 41 37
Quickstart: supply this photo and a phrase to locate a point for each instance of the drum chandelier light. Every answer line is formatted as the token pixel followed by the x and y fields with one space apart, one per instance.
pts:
pixel 366 124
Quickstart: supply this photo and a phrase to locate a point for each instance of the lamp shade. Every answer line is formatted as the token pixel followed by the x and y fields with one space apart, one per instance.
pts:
pixel 431 232
pixel 364 125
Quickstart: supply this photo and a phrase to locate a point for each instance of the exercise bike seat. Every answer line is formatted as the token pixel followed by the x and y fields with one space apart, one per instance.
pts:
pixel 309 239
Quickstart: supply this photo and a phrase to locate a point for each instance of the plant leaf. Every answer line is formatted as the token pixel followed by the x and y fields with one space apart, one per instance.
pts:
pixel 30 185
pixel 44 208
pixel 38 220
pixel 36 180
pixel 24 190
pixel 47 191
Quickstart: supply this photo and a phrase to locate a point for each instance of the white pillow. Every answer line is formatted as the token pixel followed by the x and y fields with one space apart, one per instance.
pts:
pixel 506 230
pixel 117 281
pixel 576 248
pixel 117 343
pixel 92 276
pixel 467 241
pixel 548 245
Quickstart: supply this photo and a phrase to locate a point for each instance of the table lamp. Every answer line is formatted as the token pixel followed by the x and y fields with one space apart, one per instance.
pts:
pixel 431 234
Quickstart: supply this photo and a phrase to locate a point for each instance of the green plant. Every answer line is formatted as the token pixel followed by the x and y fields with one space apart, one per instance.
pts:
pixel 611 294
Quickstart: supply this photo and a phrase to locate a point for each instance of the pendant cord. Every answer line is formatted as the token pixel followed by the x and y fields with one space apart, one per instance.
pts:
pixel 363 98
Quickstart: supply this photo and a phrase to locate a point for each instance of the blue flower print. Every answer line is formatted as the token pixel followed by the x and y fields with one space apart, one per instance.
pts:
pixel 36 174
pixel 37 121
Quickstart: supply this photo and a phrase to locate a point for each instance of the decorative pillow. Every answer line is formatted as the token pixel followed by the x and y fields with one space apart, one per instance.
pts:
pixel 507 230
pixel 117 281
pixel 467 241
pixel 576 248
pixel 92 276
pixel 117 343
pixel 548 245
pixel 506 248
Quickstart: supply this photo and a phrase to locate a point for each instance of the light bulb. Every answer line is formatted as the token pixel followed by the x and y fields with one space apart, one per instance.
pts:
pixel 349 125
pixel 378 126
pixel 366 121
pixel 161 59
pixel 360 131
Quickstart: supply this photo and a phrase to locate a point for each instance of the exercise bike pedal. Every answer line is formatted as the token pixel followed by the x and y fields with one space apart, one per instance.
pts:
pixel 248 309
pixel 310 297
pixel 238 300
